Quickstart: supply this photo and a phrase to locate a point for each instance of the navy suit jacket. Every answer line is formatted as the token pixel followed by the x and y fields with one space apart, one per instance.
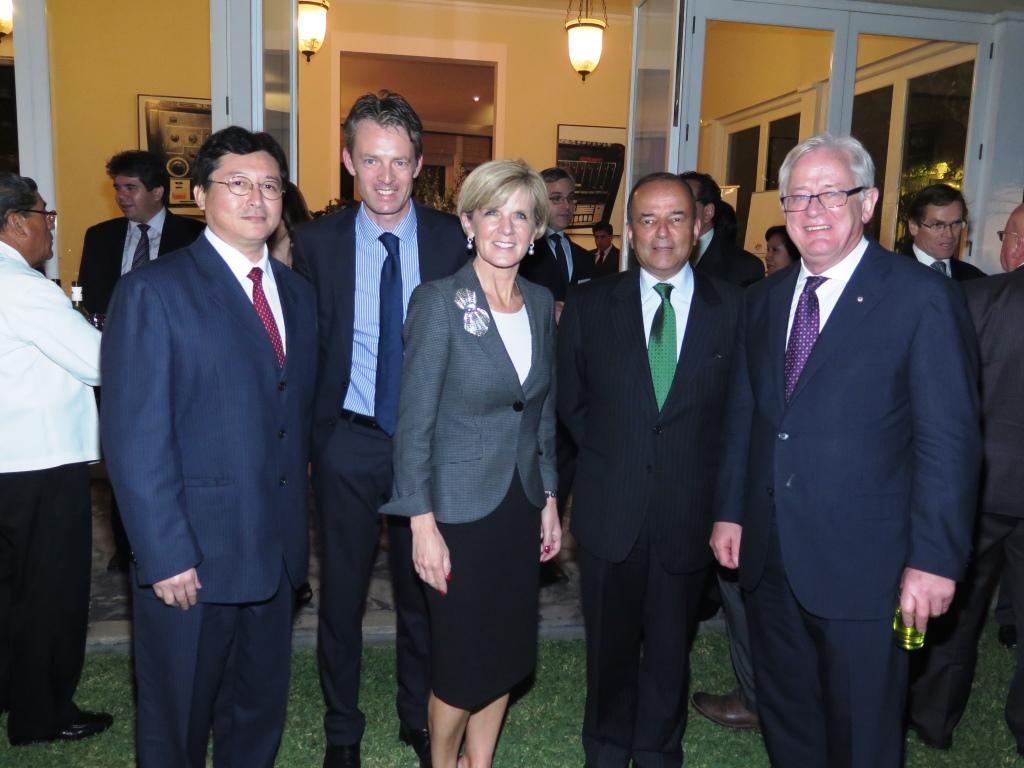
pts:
pixel 325 251
pixel 103 250
pixel 634 462
pixel 873 464
pixel 727 261
pixel 206 439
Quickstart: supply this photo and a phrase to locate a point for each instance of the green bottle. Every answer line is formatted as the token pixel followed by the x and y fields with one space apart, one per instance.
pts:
pixel 907 638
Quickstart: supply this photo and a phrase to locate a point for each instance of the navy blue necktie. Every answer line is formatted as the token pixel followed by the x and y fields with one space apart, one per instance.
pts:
pixel 389 345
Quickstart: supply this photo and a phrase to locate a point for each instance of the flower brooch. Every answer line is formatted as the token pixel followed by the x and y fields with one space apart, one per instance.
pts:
pixel 474 319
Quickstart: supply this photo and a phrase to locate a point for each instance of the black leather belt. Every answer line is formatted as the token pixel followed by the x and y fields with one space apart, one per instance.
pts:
pixel 357 418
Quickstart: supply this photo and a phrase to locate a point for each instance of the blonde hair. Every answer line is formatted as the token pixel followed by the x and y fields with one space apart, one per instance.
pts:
pixel 494 182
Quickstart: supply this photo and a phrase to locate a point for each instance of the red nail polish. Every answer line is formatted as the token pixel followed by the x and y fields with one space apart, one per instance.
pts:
pixel 448 576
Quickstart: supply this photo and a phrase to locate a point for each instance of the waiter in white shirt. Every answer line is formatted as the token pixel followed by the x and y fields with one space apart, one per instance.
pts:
pixel 50 357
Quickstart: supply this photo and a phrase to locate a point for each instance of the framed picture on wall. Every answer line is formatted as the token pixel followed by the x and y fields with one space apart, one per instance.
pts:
pixel 173 128
pixel 596 157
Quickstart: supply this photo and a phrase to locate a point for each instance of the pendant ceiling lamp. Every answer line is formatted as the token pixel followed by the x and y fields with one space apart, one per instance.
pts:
pixel 586 34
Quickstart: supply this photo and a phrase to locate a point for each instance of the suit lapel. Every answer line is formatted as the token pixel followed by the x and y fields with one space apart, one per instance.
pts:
pixel 431 267
pixel 627 317
pixel 343 282
pixel 289 302
pixel 490 342
pixel 225 291
pixel 860 295
pixel 536 335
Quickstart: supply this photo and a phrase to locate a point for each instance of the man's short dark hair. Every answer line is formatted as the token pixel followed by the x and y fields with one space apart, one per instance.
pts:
pixel 651 178
pixel 139 164
pixel 234 140
pixel 603 226
pixel 708 190
pixel 554 173
pixel 934 194
pixel 388 110
pixel 16 193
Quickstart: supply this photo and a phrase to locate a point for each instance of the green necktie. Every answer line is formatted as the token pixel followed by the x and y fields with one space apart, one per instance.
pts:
pixel 661 348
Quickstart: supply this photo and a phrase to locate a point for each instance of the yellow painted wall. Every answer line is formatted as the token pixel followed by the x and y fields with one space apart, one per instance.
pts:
pixel 102 55
pixel 541 89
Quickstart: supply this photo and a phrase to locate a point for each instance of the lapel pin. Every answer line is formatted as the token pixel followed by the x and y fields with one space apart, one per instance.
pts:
pixel 860 299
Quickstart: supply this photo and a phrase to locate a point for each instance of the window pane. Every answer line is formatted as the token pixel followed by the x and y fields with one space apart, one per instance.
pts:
pixel 743 173
pixel 872 113
pixel 783 135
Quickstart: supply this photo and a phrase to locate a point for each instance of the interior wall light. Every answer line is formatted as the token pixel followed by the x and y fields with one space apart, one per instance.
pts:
pixel 6 18
pixel 312 24
pixel 586 34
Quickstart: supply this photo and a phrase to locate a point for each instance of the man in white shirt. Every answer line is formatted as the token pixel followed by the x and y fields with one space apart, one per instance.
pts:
pixel 643 367
pixel 50 357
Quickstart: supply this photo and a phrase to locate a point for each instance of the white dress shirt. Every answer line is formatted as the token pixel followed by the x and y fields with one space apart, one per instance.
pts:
pixel 702 245
pixel 240 267
pixel 680 298
pixel 49 363
pixel 131 239
pixel 927 260
pixel 828 293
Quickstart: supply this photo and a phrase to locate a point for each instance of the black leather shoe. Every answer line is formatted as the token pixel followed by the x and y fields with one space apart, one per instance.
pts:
pixel 85 725
pixel 419 740
pixel 342 756
pixel 725 709
pixel 1007 635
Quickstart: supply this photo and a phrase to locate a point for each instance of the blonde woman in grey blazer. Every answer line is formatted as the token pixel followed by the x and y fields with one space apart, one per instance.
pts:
pixel 475 460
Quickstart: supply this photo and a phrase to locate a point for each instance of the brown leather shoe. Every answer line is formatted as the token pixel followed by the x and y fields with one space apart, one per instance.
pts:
pixel 726 710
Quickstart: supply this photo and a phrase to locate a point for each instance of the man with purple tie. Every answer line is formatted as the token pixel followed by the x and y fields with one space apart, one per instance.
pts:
pixel 849 478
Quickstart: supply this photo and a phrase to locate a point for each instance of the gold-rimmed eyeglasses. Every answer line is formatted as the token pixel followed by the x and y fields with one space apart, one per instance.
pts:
pixel 272 189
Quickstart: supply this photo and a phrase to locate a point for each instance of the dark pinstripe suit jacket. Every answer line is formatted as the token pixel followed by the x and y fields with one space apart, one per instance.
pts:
pixel 634 462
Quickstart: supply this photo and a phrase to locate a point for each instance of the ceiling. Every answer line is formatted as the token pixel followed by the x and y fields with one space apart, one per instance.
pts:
pixel 626 6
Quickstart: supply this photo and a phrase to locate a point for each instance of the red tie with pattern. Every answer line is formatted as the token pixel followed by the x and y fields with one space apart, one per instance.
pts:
pixel 259 301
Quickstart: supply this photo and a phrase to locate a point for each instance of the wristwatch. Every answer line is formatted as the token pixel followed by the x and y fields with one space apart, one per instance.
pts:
pixel 551 495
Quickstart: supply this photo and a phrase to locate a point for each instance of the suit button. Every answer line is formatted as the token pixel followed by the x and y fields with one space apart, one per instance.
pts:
pixel 657 429
pixel 783 435
pixel 517 406
pixel 281 386
pixel 281 434
pixel 283 481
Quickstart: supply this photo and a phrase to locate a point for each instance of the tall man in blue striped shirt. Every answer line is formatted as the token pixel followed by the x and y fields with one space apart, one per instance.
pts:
pixel 364 263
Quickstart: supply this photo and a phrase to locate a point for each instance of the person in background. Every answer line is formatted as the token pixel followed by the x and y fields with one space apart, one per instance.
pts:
pixel 475 460
pixel 939 694
pixel 51 359
pixel 606 254
pixel 716 252
pixel 936 217
pixel 294 213
pixel 779 249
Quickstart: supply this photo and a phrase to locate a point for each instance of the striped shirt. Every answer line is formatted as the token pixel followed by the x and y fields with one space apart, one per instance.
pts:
pixel 370 255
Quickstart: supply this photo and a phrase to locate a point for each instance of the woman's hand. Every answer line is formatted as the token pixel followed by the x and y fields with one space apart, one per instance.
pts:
pixel 430 553
pixel 550 531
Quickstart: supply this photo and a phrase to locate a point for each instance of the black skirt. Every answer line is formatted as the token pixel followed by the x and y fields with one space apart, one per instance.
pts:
pixel 484 631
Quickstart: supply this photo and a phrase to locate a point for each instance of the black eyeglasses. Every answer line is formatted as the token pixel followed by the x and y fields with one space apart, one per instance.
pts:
pixel 51 216
pixel 1002 233
pixel 272 189
pixel 835 198
pixel 953 227
pixel 559 199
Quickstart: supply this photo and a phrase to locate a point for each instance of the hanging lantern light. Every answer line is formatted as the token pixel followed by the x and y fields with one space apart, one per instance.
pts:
pixel 6 18
pixel 586 35
pixel 312 24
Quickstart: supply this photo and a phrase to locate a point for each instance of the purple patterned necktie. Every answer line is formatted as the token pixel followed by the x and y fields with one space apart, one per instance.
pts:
pixel 803 334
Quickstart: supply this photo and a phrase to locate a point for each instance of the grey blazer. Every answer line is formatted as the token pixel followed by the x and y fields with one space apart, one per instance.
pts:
pixel 465 423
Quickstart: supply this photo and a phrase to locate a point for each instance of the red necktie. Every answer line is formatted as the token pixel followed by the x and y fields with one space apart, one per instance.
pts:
pixel 259 301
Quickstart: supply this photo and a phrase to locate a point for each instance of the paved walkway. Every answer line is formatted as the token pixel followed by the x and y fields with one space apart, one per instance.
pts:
pixel 110 612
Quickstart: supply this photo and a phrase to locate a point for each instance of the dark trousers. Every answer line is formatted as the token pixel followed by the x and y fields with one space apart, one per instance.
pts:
pixel 352 478
pixel 739 636
pixel 640 621
pixel 219 665
pixel 45 550
pixel 941 674
pixel 830 692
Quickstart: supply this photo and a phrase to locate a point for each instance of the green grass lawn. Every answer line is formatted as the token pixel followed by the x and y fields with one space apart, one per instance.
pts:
pixel 543 726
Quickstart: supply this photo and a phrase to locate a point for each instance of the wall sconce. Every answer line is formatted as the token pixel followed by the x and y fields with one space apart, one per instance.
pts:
pixel 6 18
pixel 312 24
pixel 586 35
